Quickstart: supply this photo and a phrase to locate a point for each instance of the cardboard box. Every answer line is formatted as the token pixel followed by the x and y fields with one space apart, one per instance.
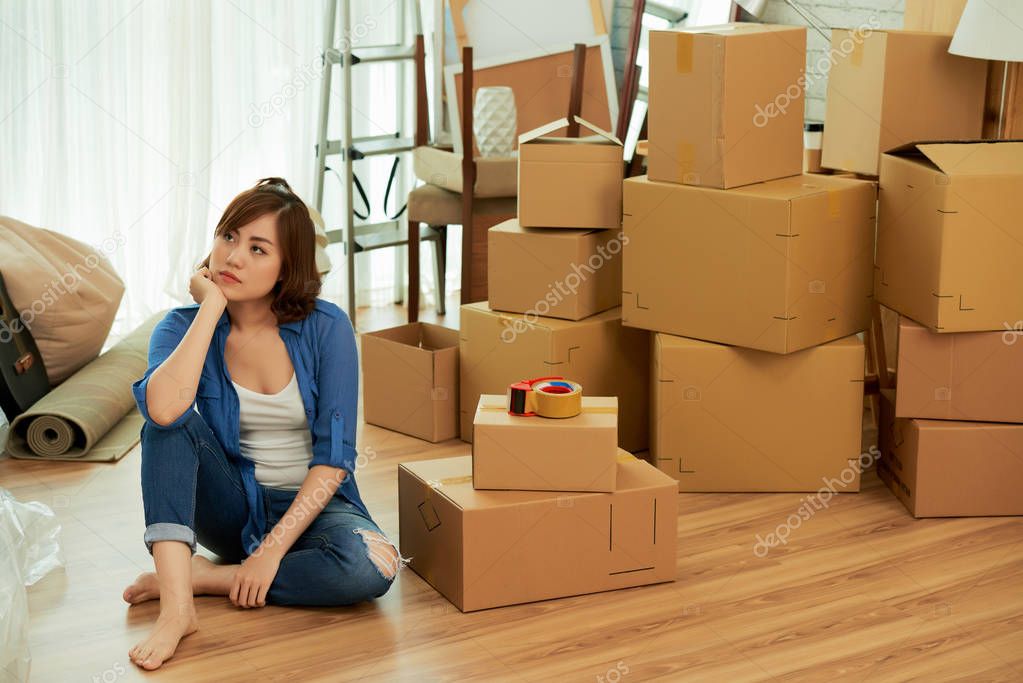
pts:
pixel 607 359
pixel 778 266
pixel 944 468
pixel 410 380
pixel 570 182
pixel 726 104
pixel 949 235
pixel 959 376
pixel 485 549
pixel 733 419
pixel 567 274
pixel 888 88
pixel 545 454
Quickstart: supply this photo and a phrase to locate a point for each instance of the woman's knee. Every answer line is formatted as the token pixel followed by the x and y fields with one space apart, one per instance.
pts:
pixel 383 555
pixel 368 566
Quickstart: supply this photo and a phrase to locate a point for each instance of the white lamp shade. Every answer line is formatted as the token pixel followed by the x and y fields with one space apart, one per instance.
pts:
pixel 754 7
pixel 990 29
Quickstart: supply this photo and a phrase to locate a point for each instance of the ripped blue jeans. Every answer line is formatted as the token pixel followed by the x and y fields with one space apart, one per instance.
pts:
pixel 192 492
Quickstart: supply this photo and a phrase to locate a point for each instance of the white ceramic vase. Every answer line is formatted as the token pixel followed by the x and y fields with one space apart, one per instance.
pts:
pixel 493 121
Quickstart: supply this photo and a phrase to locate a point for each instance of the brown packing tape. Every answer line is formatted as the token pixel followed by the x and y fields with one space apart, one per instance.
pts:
pixel 834 203
pixel 686 160
pixel 555 405
pixel 684 53
pixel 592 410
pixel 856 56
pixel 458 20
pixel 599 27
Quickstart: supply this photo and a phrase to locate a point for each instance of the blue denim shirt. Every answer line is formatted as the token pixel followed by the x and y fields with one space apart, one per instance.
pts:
pixel 323 353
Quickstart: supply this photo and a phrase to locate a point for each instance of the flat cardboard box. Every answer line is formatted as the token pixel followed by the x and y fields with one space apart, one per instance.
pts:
pixel 726 104
pixel 570 182
pixel 410 380
pixel 959 376
pixel 889 88
pixel 733 419
pixel 567 274
pixel 483 549
pixel 545 454
pixel 946 468
pixel 778 266
pixel 949 235
pixel 606 358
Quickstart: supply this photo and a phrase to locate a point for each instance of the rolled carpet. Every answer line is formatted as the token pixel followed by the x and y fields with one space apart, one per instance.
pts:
pixel 90 416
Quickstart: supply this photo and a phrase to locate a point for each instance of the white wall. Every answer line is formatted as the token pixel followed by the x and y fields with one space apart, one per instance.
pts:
pixel 836 14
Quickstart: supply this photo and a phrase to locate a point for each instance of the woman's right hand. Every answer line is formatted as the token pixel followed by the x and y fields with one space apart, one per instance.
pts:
pixel 202 287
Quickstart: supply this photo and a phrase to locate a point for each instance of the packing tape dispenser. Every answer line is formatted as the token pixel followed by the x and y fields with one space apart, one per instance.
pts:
pixel 545 396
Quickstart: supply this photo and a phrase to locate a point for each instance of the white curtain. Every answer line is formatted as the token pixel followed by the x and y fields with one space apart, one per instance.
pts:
pixel 140 120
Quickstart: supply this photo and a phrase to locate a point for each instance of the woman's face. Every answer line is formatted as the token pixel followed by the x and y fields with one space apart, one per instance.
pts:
pixel 252 255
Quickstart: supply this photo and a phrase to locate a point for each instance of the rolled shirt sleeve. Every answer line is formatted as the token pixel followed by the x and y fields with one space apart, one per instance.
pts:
pixel 337 378
pixel 164 339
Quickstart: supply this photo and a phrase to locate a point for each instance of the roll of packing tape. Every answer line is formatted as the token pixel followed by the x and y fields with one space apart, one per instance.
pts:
pixel 554 397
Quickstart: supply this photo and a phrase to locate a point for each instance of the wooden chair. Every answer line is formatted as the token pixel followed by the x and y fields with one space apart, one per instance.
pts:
pixel 431 209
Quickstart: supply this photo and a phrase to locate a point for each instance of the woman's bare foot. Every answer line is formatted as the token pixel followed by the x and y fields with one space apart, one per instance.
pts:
pixel 207 577
pixel 171 626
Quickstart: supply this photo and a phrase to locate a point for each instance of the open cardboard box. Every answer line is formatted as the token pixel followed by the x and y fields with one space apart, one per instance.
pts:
pixel 570 182
pixel 889 88
pixel 410 380
pixel 949 234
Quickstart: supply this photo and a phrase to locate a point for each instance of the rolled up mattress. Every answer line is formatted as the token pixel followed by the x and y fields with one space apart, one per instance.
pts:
pixel 90 416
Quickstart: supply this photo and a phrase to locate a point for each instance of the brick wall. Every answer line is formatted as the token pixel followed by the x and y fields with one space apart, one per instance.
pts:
pixel 834 13
pixel 837 14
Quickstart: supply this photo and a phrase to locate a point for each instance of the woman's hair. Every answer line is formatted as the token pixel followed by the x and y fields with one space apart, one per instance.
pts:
pixel 295 295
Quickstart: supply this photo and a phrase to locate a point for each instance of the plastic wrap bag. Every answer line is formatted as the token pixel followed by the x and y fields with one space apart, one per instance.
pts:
pixel 29 549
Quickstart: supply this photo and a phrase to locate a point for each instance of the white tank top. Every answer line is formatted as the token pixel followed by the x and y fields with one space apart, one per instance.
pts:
pixel 275 435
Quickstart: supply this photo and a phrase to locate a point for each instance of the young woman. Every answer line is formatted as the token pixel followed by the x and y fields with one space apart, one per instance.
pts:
pixel 263 473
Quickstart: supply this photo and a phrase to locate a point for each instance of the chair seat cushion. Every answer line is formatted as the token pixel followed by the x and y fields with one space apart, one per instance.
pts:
pixel 495 176
pixel 435 206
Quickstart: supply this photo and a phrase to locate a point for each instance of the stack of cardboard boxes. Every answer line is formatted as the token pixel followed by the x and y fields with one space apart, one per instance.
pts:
pixel 547 507
pixel 554 284
pixel 755 278
pixel 950 244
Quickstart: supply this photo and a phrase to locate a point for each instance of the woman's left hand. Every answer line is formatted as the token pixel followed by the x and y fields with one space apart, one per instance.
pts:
pixel 254 577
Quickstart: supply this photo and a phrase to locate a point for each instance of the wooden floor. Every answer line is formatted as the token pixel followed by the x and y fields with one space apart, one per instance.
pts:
pixel 861 592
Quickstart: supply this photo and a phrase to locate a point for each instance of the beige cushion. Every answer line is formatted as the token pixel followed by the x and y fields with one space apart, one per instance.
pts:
pixel 495 176
pixel 66 293
pixel 431 205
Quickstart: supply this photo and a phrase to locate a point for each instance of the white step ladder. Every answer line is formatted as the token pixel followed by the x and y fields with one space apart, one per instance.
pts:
pixel 373 235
